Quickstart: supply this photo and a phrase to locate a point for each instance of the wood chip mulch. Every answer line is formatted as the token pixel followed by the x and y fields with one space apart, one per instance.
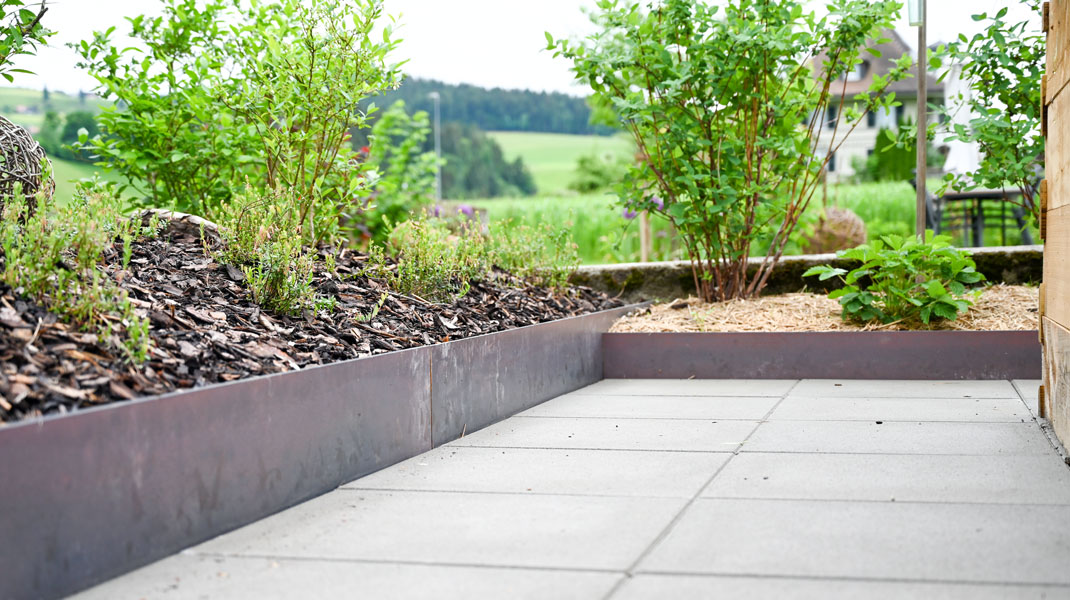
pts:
pixel 206 329
pixel 1000 308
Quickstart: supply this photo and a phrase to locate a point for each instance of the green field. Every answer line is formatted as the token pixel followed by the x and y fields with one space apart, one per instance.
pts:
pixel 551 157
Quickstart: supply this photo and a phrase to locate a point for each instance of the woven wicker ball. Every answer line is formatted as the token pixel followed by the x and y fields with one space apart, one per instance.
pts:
pixel 21 161
pixel 837 229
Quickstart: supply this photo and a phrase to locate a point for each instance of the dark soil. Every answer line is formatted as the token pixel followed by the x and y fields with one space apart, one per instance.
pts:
pixel 206 328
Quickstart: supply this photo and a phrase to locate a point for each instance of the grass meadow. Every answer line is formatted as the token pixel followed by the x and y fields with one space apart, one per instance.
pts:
pixel 551 157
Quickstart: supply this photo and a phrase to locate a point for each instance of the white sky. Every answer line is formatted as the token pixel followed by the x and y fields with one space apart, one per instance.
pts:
pixel 492 43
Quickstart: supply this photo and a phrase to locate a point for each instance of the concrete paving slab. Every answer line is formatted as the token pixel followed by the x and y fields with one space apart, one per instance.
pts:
pixel 867 437
pixel 1029 390
pixel 689 387
pixel 685 587
pixel 519 530
pixel 861 388
pixel 655 407
pixel 993 410
pixel 881 540
pixel 188 577
pixel 898 477
pixel 545 471
pixel 612 434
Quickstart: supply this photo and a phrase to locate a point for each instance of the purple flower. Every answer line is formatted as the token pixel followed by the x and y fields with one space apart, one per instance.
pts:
pixel 629 214
pixel 658 202
pixel 466 209
pixel 436 210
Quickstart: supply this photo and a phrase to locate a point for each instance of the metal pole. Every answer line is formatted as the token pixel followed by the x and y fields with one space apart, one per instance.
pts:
pixel 438 150
pixel 923 137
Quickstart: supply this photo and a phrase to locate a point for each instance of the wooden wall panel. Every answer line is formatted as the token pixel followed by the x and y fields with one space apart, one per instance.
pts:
pixel 1055 222
pixel 1058 18
pixel 1057 266
pixel 1056 395
pixel 1057 169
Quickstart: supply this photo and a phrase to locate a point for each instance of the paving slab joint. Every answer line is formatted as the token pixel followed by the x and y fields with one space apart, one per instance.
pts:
pixel 629 573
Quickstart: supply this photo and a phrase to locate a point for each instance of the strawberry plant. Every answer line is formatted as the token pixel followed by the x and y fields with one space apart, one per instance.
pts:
pixel 904 279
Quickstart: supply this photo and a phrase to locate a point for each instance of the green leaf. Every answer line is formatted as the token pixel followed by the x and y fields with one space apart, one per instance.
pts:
pixel 935 289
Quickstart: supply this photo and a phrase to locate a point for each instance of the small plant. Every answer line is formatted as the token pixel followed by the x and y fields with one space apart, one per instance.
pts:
pixel 261 235
pixel 542 256
pixel 280 278
pixel 904 279
pixel 52 255
pixel 432 263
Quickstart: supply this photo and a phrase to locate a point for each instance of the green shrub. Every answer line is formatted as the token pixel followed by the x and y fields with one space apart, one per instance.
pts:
pixel 404 174
pixel 540 255
pixel 432 263
pixel 723 103
pixel 52 255
pixel 257 231
pixel 595 173
pixel 220 93
pixel 280 278
pixel 903 279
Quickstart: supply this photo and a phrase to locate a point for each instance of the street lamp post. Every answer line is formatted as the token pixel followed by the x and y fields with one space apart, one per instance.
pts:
pixel 917 10
pixel 438 150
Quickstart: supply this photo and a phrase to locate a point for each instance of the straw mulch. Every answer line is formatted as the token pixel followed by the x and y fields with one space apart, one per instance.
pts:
pixel 1000 308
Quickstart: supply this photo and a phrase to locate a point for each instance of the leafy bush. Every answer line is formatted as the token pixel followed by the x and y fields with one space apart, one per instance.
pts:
pixel 543 255
pixel 903 279
pixel 727 110
pixel 596 173
pixel 165 132
pixel 432 263
pixel 21 32
pixel 1004 66
pixel 52 255
pixel 219 93
pixel 405 173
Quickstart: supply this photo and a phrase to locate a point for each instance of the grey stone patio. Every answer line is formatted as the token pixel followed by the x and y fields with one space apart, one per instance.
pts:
pixel 682 489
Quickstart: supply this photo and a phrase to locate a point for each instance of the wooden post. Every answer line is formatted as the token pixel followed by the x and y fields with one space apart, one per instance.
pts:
pixel 644 237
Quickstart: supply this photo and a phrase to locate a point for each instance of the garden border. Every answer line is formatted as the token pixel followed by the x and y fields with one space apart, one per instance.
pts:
pixel 933 355
pixel 96 493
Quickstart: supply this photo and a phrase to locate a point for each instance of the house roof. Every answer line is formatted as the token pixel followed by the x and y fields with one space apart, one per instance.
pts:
pixel 890 51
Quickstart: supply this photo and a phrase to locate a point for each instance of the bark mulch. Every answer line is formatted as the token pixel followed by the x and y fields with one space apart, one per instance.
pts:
pixel 206 328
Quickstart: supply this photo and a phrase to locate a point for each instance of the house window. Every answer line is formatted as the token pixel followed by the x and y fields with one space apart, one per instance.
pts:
pixel 859 72
pixel 832 163
pixel 871 119
pixel 832 117
pixel 900 113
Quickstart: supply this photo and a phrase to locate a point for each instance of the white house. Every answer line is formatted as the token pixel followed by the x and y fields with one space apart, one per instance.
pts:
pixel 862 141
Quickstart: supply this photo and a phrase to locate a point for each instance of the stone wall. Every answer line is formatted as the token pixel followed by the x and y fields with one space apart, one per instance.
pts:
pixel 668 280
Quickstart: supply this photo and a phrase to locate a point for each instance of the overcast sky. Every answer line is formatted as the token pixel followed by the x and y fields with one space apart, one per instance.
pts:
pixel 492 43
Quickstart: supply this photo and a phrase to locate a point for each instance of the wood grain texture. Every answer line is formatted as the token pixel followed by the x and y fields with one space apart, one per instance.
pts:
pixel 1058 152
pixel 1058 48
pixel 1056 399
pixel 1057 266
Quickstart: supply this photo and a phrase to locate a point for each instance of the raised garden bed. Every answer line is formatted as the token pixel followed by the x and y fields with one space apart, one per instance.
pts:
pixel 206 329
pixel 100 491
pixel 803 336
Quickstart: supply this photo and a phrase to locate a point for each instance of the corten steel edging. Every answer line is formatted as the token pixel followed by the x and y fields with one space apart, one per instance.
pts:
pixel 482 380
pixel 824 355
pixel 90 495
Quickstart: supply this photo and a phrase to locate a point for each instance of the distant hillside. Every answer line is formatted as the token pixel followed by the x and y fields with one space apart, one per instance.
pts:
pixel 28 107
pixel 498 109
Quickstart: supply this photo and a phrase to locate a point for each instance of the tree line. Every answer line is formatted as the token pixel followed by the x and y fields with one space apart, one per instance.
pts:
pixel 497 109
